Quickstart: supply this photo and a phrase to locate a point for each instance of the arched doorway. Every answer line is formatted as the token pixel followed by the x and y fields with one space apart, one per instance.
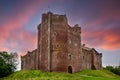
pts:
pixel 69 69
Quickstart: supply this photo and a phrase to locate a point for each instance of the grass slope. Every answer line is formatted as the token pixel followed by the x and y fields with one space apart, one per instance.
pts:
pixel 82 75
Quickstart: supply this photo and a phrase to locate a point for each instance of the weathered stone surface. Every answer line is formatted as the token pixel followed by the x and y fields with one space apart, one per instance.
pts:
pixel 29 61
pixel 59 48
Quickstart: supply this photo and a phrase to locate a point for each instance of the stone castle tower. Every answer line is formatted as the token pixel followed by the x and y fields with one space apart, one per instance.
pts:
pixel 59 48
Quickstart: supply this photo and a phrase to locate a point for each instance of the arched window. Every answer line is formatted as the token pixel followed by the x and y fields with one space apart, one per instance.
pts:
pixel 69 56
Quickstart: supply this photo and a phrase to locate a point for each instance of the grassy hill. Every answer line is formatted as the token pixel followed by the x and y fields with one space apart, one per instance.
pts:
pixel 82 75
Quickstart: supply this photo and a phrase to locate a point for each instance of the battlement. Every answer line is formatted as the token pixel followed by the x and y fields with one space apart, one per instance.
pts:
pixel 75 29
pixel 30 52
pixel 45 16
pixel 55 18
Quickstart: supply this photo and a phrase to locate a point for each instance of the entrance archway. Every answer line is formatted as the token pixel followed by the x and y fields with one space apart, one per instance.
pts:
pixel 69 69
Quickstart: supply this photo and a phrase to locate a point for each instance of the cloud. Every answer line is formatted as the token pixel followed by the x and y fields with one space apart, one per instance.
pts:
pixel 22 41
pixel 13 37
pixel 14 16
pixel 100 30
pixel 103 31
pixel 107 39
pixel 112 39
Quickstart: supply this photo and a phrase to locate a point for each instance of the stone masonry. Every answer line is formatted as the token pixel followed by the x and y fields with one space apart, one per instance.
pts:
pixel 59 48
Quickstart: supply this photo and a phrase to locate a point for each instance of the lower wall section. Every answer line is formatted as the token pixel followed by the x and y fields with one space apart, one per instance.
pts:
pixel 61 61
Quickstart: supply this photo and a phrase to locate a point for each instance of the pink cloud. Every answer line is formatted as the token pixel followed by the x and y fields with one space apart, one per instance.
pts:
pixel 13 37
pixel 106 38
pixel 3 48
pixel 23 40
pixel 103 32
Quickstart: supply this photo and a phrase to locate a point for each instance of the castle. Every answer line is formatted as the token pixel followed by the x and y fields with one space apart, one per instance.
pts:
pixel 59 48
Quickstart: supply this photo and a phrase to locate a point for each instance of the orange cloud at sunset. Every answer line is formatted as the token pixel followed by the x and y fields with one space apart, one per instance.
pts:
pixel 111 42
pixel 107 39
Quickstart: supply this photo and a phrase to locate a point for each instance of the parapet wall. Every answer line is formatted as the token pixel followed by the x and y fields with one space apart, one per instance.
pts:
pixel 29 60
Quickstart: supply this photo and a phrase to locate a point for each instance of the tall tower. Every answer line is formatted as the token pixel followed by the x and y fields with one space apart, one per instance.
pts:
pixel 74 49
pixel 55 43
pixel 44 42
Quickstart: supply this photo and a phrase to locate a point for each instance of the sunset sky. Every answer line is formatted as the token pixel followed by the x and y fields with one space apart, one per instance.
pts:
pixel 99 20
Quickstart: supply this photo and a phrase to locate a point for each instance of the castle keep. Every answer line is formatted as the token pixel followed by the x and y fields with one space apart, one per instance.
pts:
pixel 59 48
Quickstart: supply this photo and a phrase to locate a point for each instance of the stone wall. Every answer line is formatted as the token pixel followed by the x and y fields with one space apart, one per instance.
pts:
pixel 29 61
pixel 59 43
pixel 91 58
pixel 74 48
pixel 87 58
pixel 59 48
pixel 97 63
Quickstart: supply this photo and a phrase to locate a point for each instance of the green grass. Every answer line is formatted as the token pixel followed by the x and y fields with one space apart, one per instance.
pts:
pixel 98 75
pixel 82 75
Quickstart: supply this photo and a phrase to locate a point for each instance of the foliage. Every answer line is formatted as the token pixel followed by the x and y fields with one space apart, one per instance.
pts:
pixel 115 70
pixel 82 75
pixel 8 63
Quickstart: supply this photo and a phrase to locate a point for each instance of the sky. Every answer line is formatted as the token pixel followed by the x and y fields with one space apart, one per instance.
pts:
pixel 99 20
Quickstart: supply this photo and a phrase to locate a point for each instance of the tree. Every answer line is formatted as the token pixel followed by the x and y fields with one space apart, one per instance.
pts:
pixel 8 63
pixel 115 70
